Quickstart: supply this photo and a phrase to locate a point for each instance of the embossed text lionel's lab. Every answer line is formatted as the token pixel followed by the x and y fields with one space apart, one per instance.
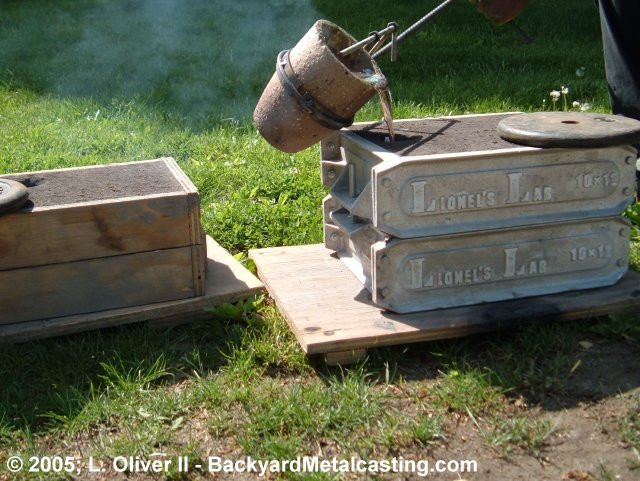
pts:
pixel 446 271
pixel 419 198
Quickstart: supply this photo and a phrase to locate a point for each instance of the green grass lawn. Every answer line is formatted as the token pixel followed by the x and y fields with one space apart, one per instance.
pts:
pixel 89 82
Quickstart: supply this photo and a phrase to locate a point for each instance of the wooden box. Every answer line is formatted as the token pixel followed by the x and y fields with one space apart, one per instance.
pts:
pixel 102 237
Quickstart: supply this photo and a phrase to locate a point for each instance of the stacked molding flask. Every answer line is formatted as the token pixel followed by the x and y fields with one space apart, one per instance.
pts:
pixel 450 214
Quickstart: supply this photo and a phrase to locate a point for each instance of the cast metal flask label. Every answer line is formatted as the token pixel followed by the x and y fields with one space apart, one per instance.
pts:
pixel 471 268
pixel 413 198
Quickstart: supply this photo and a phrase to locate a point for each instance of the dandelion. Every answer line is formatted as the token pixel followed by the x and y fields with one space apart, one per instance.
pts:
pixel 555 96
pixel 544 104
pixel 585 106
pixel 580 72
pixel 576 104
pixel 565 91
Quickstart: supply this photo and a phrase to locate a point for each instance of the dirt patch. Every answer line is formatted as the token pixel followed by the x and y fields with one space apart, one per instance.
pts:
pixel 438 136
pixel 586 444
pixel 97 183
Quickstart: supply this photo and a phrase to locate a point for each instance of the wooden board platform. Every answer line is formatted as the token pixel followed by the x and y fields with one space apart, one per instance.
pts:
pixel 331 313
pixel 226 281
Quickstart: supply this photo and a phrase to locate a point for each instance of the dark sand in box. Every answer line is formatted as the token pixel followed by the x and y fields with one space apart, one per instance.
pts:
pixel 438 136
pixel 101 183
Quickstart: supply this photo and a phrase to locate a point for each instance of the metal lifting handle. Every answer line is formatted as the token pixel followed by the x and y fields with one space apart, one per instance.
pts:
pixel 413 28
pixel 376 51
pixel 373 37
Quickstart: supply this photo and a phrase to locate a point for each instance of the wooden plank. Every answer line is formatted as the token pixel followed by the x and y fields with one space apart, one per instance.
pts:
pixel 105 215
pixel 344 357
pixel 97 166
pixel 334 313
pixel 226 281
pixel 96 284
pixel 77 232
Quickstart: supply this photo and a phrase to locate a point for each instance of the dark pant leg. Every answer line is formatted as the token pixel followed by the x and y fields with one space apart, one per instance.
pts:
pixel 620 22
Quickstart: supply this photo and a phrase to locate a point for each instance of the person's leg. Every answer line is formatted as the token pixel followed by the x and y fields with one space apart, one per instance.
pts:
pixel 620 22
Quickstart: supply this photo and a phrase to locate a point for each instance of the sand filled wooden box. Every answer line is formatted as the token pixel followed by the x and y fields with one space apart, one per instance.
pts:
pixel 103 237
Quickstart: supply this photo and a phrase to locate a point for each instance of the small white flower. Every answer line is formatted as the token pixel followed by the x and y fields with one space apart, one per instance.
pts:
pixel 580 72
pixel 564 90
pixel 554 94
pixel 585 106
pixel 576 104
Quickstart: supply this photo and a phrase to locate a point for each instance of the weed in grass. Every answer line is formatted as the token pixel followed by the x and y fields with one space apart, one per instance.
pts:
pixel 630 425
pixel 285 421
pixel 633 214
pixel 467 390
pixel 528 435
pixel 236 311
pixel 624 327
pixel 427 430
pixel 634 257
pixel 128 380
pixel 603 473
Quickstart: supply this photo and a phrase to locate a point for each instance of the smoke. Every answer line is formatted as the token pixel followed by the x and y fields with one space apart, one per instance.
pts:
pixel 202 60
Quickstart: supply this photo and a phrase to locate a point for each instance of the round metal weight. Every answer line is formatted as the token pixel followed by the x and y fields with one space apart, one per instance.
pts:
pixel 569 129
pixel 12 195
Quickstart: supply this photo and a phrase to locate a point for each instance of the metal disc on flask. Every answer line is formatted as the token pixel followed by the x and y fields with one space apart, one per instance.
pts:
pixel 569 129
pixel 12 195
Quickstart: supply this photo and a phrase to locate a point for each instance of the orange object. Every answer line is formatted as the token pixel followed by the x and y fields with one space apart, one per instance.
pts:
pixel 500 11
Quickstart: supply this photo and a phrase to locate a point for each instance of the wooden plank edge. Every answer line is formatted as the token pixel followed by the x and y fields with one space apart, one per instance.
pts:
pixel 478 324
pixel 342 358
pixel 254 254
pixel 179 174
pixel 159 314
pixel 82 167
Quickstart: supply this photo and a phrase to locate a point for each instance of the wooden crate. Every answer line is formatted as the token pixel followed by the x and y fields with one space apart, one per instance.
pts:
pixel 226 281
pixel 98 238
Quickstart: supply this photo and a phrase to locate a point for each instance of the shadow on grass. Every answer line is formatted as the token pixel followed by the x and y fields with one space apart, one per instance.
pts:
pixel 54 378
pixel 551 364
pixel 49 383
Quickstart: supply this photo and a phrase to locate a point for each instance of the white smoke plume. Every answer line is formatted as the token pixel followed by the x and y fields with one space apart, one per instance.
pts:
pixel 203 60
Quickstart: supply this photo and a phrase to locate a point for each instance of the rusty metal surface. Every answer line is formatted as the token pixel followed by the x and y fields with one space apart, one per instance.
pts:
pixel 421 274
pixel 282 120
